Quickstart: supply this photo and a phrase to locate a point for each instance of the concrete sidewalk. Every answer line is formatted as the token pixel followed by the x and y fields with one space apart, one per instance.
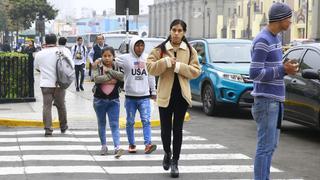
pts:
pixel 80 112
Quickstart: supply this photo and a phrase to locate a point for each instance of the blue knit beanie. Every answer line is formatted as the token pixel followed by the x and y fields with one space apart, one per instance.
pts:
pixel 279 11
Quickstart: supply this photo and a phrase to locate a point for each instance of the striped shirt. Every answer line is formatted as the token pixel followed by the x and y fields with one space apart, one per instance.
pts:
pixel 266 69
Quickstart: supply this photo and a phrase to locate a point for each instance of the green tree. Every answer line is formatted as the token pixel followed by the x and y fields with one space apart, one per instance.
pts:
pixel 21 14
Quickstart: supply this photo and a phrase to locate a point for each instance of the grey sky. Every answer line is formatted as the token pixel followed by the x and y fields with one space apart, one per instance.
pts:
pixel 74 6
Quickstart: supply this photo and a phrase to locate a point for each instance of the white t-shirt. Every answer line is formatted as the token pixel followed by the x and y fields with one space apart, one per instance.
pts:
pixel 45 61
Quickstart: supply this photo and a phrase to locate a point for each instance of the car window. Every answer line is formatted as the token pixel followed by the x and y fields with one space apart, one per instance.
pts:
pixel 295 54
pixel 115 42
pixel 201 50
pixel 311 60
pixel 230 52
pixel 71 39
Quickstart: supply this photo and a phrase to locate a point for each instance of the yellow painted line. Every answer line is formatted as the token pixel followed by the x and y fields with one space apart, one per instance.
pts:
pixel 154 122
pixel 26 123
pixel 55 123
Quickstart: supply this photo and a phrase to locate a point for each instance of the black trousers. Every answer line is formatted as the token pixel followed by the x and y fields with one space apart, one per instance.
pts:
pixel 79 69
pixel 177 109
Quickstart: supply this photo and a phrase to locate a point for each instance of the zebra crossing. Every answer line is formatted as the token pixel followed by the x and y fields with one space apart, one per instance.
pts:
pixel 26 154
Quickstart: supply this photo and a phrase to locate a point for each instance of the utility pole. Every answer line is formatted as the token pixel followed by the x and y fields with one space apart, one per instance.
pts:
pixel 307 17
pixel 205 2
pixel 315 34
pixel 209 13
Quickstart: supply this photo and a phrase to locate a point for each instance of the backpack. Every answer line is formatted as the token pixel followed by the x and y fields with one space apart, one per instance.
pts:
pixel 75 50
pixel 65 70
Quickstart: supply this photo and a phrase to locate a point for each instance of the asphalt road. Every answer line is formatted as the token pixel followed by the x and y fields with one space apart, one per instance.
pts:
pixel 298 152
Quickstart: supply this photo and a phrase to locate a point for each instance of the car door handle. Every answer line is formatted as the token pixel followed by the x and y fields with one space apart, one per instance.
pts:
pixel 294 81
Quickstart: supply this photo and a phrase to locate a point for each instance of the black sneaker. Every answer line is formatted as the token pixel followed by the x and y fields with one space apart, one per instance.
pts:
pixel 77 89
pixel 48 132
pixel 63 130
pixel 81 88
pixel 166 161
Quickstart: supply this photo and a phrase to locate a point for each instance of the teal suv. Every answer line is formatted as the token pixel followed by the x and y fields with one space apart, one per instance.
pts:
pixel 224 78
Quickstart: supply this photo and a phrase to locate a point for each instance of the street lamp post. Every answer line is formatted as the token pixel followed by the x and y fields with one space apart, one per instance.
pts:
pixel 249 18
pixel 307 17
pixel 209 24
pixel 205 2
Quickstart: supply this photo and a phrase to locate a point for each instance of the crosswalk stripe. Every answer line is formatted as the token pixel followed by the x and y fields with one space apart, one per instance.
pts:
pixel 11 170
pixel 95 139
pixel 50 169
pixel 96 148
pixel 158 157
pixel 76 132
pixel 64 157
pixel 183 169
pixel 127 169
pixel 80 145
pixel 149 157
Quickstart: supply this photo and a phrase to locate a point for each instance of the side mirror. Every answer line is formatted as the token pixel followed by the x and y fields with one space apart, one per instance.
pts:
pixel 310 74
pixel 201 60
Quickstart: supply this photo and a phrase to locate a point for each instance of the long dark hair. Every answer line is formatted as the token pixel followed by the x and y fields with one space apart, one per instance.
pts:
pixel 175 22
pixel 110 49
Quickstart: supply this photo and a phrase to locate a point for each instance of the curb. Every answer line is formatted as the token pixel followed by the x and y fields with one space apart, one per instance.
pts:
pixel 26 123
pixel 55 123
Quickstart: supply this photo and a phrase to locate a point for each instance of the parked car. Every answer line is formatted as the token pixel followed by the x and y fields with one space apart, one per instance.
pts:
pixel 302 104
pixel 115 40
pixel 224 78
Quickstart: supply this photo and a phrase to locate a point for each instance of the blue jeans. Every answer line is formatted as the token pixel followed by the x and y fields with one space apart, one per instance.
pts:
pixel 111 107
pixel 266 112
pixel 143 106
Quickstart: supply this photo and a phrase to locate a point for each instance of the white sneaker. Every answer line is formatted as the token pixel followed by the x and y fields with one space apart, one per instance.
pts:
pixel 104 150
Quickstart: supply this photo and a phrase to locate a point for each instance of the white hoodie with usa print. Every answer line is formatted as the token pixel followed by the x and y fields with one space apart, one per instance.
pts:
pixel 137 81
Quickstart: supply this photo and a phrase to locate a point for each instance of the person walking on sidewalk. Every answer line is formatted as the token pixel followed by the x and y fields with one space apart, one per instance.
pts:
pixel 108 80
pixel 79 56
pixel 267 71
pixel 175 62
pixel 95 52
pixel 139 86
pixel 45 62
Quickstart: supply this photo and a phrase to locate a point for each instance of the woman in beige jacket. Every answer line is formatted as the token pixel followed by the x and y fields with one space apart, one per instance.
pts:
pixel 175 62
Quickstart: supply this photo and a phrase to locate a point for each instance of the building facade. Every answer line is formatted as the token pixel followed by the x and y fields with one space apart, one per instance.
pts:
pixel 204 18
pixel 232 18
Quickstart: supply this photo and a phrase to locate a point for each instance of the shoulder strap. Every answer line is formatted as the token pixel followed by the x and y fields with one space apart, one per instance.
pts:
pixel 84 50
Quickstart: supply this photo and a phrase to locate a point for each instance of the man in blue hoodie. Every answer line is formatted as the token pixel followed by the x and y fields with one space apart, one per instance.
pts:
pixel 139 86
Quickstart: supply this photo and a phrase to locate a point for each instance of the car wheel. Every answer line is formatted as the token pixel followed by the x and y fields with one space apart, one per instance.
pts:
pixel 208 100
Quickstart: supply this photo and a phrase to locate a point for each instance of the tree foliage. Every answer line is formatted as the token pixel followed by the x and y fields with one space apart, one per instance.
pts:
pixel 20 14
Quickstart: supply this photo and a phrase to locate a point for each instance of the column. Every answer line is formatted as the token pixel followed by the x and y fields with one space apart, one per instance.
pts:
pixel 315 33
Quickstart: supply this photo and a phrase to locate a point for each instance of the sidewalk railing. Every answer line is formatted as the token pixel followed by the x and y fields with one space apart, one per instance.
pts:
pixel 16 79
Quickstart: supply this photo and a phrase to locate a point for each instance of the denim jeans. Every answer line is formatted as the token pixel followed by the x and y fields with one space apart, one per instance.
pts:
pixel 143 106
pixel 266 112
pixel 111 107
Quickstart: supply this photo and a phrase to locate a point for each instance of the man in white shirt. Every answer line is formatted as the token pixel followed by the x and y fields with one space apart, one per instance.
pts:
pixel 79 56
pixel 45 62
